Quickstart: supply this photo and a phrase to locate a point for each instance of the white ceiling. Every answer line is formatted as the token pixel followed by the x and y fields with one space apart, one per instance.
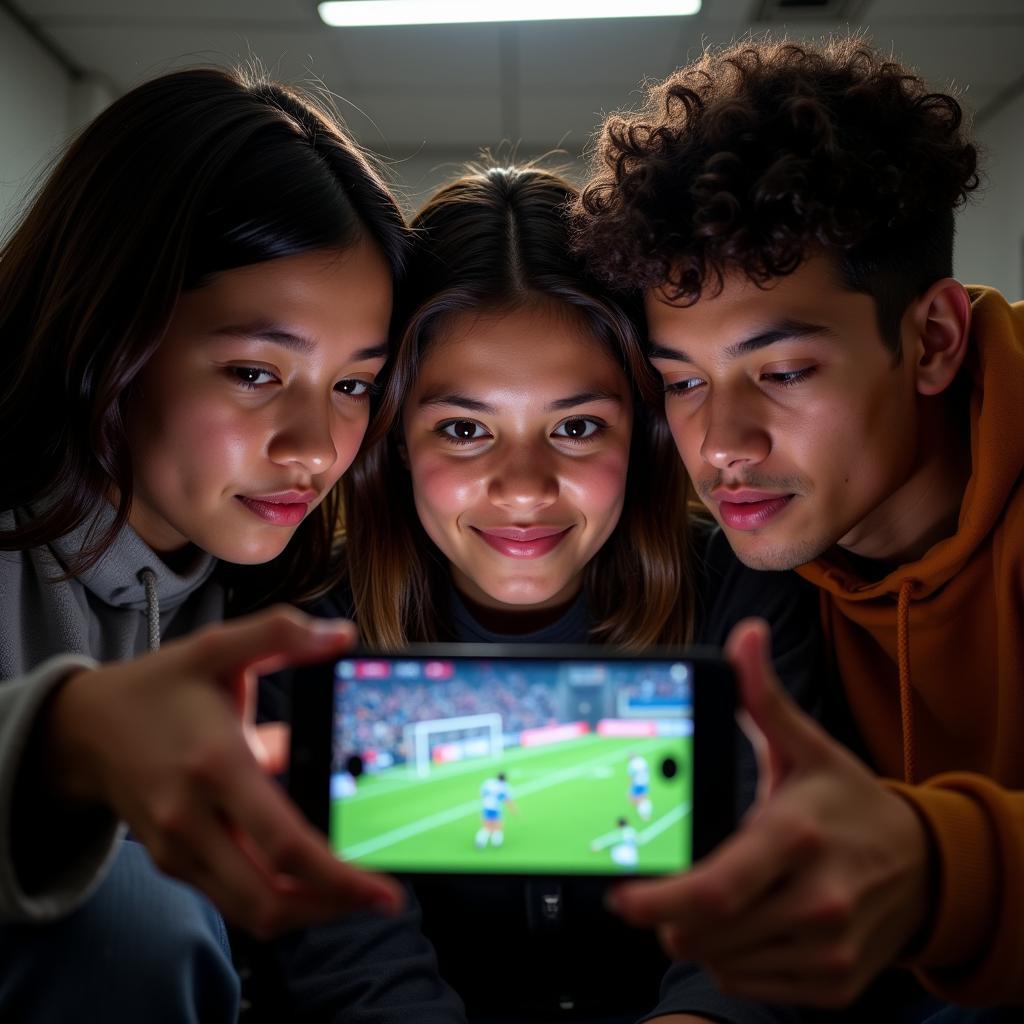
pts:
pixel 442 92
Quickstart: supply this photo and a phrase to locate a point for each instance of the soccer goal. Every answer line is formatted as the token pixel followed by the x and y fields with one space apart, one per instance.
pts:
pixel 453 739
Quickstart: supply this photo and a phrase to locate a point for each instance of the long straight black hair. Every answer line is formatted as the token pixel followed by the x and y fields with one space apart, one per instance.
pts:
pixel 188 175
pixel 493 241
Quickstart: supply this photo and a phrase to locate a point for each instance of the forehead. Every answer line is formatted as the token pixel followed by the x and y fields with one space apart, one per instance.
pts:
pixel 537 350
pixel 812 295
pixel 325 289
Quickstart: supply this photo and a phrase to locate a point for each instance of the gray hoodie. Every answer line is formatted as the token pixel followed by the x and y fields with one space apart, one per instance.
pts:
pixel 118 609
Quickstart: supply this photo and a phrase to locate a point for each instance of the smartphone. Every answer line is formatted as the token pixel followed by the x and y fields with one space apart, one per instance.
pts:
pixel 517 760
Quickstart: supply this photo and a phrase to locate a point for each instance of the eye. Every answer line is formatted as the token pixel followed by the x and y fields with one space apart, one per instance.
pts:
pixel 251 376
pixel 788 378
pixel 684 387
pixel 463 431
pixel 354 388
pixel 579 428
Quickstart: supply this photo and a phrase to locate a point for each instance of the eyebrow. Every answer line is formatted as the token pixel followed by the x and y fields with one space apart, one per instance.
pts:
pixel 475 405
pixel 784 330
pixel 275 334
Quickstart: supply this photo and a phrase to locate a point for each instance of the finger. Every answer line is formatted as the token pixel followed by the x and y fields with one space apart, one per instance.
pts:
pixel 268 641
pixel 794 989
pixel 802 913
pixel 723 887
pixel 244 892
pixel 249 895
pixel 790 738
pixel 198 849
pixel 287 845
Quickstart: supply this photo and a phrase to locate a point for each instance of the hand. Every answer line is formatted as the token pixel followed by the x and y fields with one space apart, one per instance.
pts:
pixel 162 740
pixel 824 884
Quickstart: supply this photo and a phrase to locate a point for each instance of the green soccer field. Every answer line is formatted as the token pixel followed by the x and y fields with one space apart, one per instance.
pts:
pixel 567 795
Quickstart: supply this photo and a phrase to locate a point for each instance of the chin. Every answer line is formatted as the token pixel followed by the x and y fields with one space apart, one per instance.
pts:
pixel 519 596
pixel 770 555
pixel 247 554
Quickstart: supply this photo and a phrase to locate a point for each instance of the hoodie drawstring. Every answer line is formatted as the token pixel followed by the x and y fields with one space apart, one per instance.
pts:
pixel 148 578
pixel 903 660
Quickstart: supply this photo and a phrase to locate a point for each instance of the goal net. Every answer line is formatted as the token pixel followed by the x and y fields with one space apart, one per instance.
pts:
pixel 444 740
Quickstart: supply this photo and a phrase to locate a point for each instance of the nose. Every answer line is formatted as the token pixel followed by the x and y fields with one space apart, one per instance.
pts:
pixel 305 438
pixel 734 436
pixel 522 480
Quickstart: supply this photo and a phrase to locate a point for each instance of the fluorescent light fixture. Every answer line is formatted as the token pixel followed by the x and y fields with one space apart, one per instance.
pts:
pixel 363 13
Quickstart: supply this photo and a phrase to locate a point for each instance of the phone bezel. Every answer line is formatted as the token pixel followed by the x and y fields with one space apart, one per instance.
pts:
pixel 714 734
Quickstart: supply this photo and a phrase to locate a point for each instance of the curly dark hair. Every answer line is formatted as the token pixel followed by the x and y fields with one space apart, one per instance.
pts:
pixel 757 156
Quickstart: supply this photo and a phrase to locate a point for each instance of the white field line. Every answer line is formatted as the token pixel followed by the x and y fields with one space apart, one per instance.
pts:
pixel 400 776
pixel 647 834
pixel 415 828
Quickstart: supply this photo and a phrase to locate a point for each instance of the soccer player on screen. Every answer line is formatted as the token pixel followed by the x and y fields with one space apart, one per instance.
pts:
pixel 626 851
pixel 624 843
pixel 640 785
pixel 495 797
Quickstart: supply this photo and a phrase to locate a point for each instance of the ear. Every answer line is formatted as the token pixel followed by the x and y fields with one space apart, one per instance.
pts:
pixel 941 322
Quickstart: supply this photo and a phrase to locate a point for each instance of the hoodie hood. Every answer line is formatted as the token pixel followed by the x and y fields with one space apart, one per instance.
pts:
pixel 119 578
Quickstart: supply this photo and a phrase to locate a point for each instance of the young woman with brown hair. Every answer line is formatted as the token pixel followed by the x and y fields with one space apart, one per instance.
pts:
pixel 518 419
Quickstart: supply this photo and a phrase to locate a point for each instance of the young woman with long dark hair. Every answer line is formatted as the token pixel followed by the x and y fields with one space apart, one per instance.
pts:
pixel 193 311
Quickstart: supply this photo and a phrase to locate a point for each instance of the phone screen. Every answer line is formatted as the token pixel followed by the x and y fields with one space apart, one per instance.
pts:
pixel 513 766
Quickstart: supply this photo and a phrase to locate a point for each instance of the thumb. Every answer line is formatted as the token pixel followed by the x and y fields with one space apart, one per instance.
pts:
pixel 783 737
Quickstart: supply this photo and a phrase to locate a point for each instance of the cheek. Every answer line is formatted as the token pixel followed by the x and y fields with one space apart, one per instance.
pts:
pixel 214 438
pixel 443 488
pixel 597 486
pixel 853 441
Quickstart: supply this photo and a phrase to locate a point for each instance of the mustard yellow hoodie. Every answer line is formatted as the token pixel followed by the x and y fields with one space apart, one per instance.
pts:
pixel 931 660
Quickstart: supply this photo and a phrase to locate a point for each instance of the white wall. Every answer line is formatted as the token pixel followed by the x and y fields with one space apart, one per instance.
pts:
pixel 34 115
pixel 990 231
pixel 40 106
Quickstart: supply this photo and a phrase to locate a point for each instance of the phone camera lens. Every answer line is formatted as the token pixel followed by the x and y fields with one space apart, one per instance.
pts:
pixel 354 766
pixel 669 767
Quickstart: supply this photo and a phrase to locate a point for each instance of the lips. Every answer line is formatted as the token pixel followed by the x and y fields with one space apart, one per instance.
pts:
pixel 286 508
pixel 748 509
pixel 523 541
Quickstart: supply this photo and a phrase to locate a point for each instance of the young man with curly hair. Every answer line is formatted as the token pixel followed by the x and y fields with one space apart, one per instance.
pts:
pixel 846 408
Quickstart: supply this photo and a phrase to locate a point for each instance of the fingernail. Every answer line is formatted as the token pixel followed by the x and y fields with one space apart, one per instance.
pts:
pixel 385 904
pixel 332 629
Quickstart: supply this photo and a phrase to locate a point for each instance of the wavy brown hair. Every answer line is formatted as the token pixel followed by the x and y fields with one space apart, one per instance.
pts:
pixel 756 156
pixel 188 175
pixel 495 240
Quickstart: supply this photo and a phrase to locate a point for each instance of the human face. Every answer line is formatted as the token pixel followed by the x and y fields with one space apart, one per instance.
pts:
pixel 795 423
pixel 517 435
pixel 256 401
